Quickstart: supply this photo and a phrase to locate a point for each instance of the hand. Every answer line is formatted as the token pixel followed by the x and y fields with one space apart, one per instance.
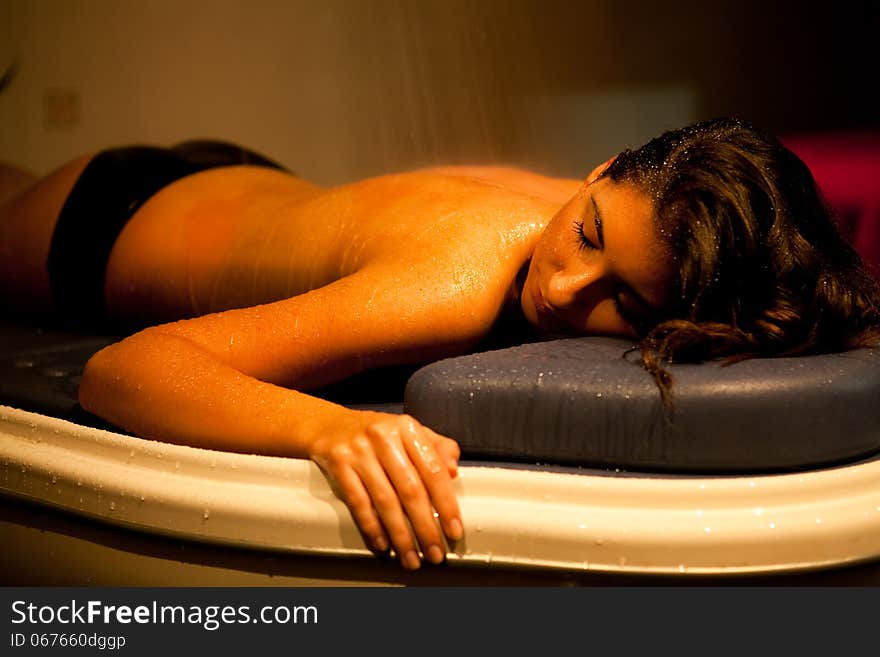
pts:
pixel 392 472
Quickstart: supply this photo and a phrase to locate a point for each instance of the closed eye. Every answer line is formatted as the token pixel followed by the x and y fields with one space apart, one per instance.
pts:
pixel 584 242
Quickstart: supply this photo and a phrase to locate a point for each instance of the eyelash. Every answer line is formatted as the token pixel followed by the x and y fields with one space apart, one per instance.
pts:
pixel 584 242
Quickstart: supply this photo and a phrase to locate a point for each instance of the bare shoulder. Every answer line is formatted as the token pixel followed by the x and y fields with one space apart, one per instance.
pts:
pixel 557 190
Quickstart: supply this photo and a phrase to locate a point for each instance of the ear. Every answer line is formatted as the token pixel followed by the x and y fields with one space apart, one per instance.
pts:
pixel 599 170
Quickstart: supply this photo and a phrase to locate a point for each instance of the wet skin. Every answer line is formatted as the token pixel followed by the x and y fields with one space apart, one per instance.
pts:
pixel 288 286
pixel 599 267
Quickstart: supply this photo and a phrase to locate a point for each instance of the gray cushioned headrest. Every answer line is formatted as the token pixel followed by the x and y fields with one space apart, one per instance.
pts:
pixel 579 401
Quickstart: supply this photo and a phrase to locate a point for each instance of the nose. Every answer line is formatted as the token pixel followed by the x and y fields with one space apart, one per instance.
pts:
pixel 568 287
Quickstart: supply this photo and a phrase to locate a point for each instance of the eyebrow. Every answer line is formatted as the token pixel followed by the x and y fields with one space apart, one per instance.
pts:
pixel 600 235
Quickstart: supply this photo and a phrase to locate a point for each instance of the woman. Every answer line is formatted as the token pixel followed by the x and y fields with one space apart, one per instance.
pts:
pixel 710 241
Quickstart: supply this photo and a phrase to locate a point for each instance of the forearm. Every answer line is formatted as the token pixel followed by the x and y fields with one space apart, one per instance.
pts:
pixel 391 471
pixel 167 387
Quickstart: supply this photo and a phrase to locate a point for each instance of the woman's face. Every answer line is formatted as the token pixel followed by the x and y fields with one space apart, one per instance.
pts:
pixel 600 267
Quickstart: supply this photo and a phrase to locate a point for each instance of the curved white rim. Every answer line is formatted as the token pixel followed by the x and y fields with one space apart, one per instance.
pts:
pixel 514 517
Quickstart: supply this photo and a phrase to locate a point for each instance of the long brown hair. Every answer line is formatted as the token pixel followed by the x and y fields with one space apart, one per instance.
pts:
pixel 762 269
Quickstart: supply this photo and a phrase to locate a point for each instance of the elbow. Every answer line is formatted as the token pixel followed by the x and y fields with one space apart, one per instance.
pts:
pixel 94 388
pixel 112 373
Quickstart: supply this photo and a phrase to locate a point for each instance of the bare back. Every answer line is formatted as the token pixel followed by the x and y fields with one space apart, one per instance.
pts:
pixel 309 286
pixel 417 249
pixel 241 236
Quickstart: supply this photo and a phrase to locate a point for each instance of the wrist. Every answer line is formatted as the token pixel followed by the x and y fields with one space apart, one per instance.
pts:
pixel 309 426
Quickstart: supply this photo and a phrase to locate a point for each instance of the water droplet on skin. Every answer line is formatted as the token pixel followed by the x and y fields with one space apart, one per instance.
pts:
pixel 682 568
pixel 758 511
pixel 818 521
pixel 708 530
pixel 206 514
pixel 54 479
pixel 177 465
pixel 772 525
pixel 112 505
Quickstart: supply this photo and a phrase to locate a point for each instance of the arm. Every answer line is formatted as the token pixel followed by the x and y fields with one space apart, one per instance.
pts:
pixel 212 382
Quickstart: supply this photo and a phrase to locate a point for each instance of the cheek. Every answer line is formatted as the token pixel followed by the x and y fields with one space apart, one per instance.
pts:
pixel 553 245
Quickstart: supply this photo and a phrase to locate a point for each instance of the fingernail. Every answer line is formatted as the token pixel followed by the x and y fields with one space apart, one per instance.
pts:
pixel 380 544
pixel 456 530
pixel 435 554
pixel 411 560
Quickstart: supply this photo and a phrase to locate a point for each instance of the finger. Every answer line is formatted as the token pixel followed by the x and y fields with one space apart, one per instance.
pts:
pixel 448 450
pixel 413 494
pixel 387 504
pixel 436 479
pixel 360 505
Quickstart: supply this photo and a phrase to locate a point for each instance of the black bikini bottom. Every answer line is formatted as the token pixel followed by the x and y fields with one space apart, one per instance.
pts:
pixel 112 187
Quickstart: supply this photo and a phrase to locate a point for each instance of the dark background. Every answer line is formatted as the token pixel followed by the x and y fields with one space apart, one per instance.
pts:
pixel 342 89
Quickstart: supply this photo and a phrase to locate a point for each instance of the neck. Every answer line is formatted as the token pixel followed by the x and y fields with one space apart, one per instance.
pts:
pixel 511 327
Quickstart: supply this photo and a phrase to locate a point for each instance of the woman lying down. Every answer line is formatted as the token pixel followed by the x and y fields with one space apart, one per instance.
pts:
pixel 257 286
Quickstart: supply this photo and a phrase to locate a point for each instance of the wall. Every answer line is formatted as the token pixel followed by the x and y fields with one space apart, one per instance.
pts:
pixel 341 89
